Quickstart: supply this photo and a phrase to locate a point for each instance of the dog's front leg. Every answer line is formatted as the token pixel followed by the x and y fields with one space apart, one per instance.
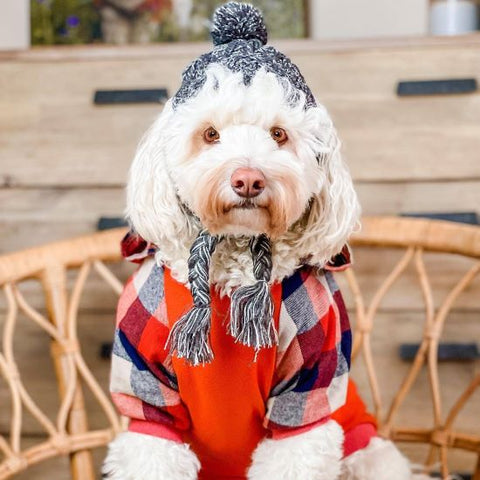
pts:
pixel 135 456
pixel 312 455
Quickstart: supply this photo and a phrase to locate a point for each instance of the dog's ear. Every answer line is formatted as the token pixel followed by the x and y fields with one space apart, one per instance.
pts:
pixel 334 211
pixel 153 206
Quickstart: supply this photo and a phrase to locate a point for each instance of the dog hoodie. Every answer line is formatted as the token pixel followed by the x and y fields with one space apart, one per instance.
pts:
pixel 223 409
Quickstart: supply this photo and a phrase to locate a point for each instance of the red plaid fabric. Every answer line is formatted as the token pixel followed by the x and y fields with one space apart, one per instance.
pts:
pixel 313 357
pixel 143 383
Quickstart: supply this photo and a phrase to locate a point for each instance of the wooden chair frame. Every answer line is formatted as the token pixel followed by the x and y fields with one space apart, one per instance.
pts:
pixel 417 236
pixel 70 434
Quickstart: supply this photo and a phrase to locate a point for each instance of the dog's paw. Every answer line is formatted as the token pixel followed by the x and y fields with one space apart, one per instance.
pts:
pixel 134 456
pixel 380 459
pixel 313 455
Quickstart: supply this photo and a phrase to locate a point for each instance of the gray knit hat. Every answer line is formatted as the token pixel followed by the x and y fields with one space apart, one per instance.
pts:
pixel 239 37
pixel 240 44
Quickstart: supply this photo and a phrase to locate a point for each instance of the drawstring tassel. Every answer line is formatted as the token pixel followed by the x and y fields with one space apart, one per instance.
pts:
pixel 251 310
pixel 189 337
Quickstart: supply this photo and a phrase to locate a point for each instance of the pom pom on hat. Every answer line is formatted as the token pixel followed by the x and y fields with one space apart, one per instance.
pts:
pixel 238 21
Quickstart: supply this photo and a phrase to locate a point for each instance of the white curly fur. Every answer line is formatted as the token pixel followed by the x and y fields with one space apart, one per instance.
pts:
pixel 134 456
pixel 169 174
pixel 313 455
pixel 380 459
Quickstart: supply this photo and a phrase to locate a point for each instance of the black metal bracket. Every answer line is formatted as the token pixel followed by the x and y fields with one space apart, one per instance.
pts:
pixel 115 97
pixel 436 87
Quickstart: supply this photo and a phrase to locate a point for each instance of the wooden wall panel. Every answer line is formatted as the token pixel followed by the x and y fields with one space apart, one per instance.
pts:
pixel 51 133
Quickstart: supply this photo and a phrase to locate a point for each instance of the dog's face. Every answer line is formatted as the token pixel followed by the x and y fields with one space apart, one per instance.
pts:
pixel 238 156
pixel 244 160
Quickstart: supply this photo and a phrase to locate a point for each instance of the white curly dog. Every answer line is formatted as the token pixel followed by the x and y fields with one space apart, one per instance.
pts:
pixel 240 151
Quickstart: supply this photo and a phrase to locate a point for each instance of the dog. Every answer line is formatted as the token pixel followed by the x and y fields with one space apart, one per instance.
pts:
pixel 232 348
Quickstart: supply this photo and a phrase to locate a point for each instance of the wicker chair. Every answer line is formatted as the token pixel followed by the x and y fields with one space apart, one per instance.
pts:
pixel 69 433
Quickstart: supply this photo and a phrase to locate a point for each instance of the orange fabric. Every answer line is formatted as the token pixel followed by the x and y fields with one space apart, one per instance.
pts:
pixel 358 437
pixel 233 382
pixel 354 412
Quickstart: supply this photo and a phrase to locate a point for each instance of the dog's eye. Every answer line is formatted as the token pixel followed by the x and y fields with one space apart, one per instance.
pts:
pixel 210 135
pixel 279 135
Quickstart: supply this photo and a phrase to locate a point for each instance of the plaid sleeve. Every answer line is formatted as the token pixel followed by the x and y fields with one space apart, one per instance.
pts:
pixel 314 349
pixel 143 384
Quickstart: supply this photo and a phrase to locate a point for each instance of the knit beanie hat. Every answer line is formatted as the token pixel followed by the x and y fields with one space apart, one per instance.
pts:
pixel 240 45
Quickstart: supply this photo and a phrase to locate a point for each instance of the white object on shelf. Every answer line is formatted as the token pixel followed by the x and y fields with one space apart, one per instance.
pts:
pixel 348 19
pixel 14 24
pixel 453 17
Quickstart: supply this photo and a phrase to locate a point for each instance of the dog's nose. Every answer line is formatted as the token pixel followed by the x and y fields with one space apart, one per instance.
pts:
pixel 247 182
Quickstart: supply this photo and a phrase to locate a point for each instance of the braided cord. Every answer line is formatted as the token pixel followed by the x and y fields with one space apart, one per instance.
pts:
pixel 189 337
pixel 199 267
pixel 261 249
pixel 251 308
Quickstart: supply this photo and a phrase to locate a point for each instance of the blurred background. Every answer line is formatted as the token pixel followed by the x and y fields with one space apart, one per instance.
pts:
pixel 60 22
pixel 81 80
